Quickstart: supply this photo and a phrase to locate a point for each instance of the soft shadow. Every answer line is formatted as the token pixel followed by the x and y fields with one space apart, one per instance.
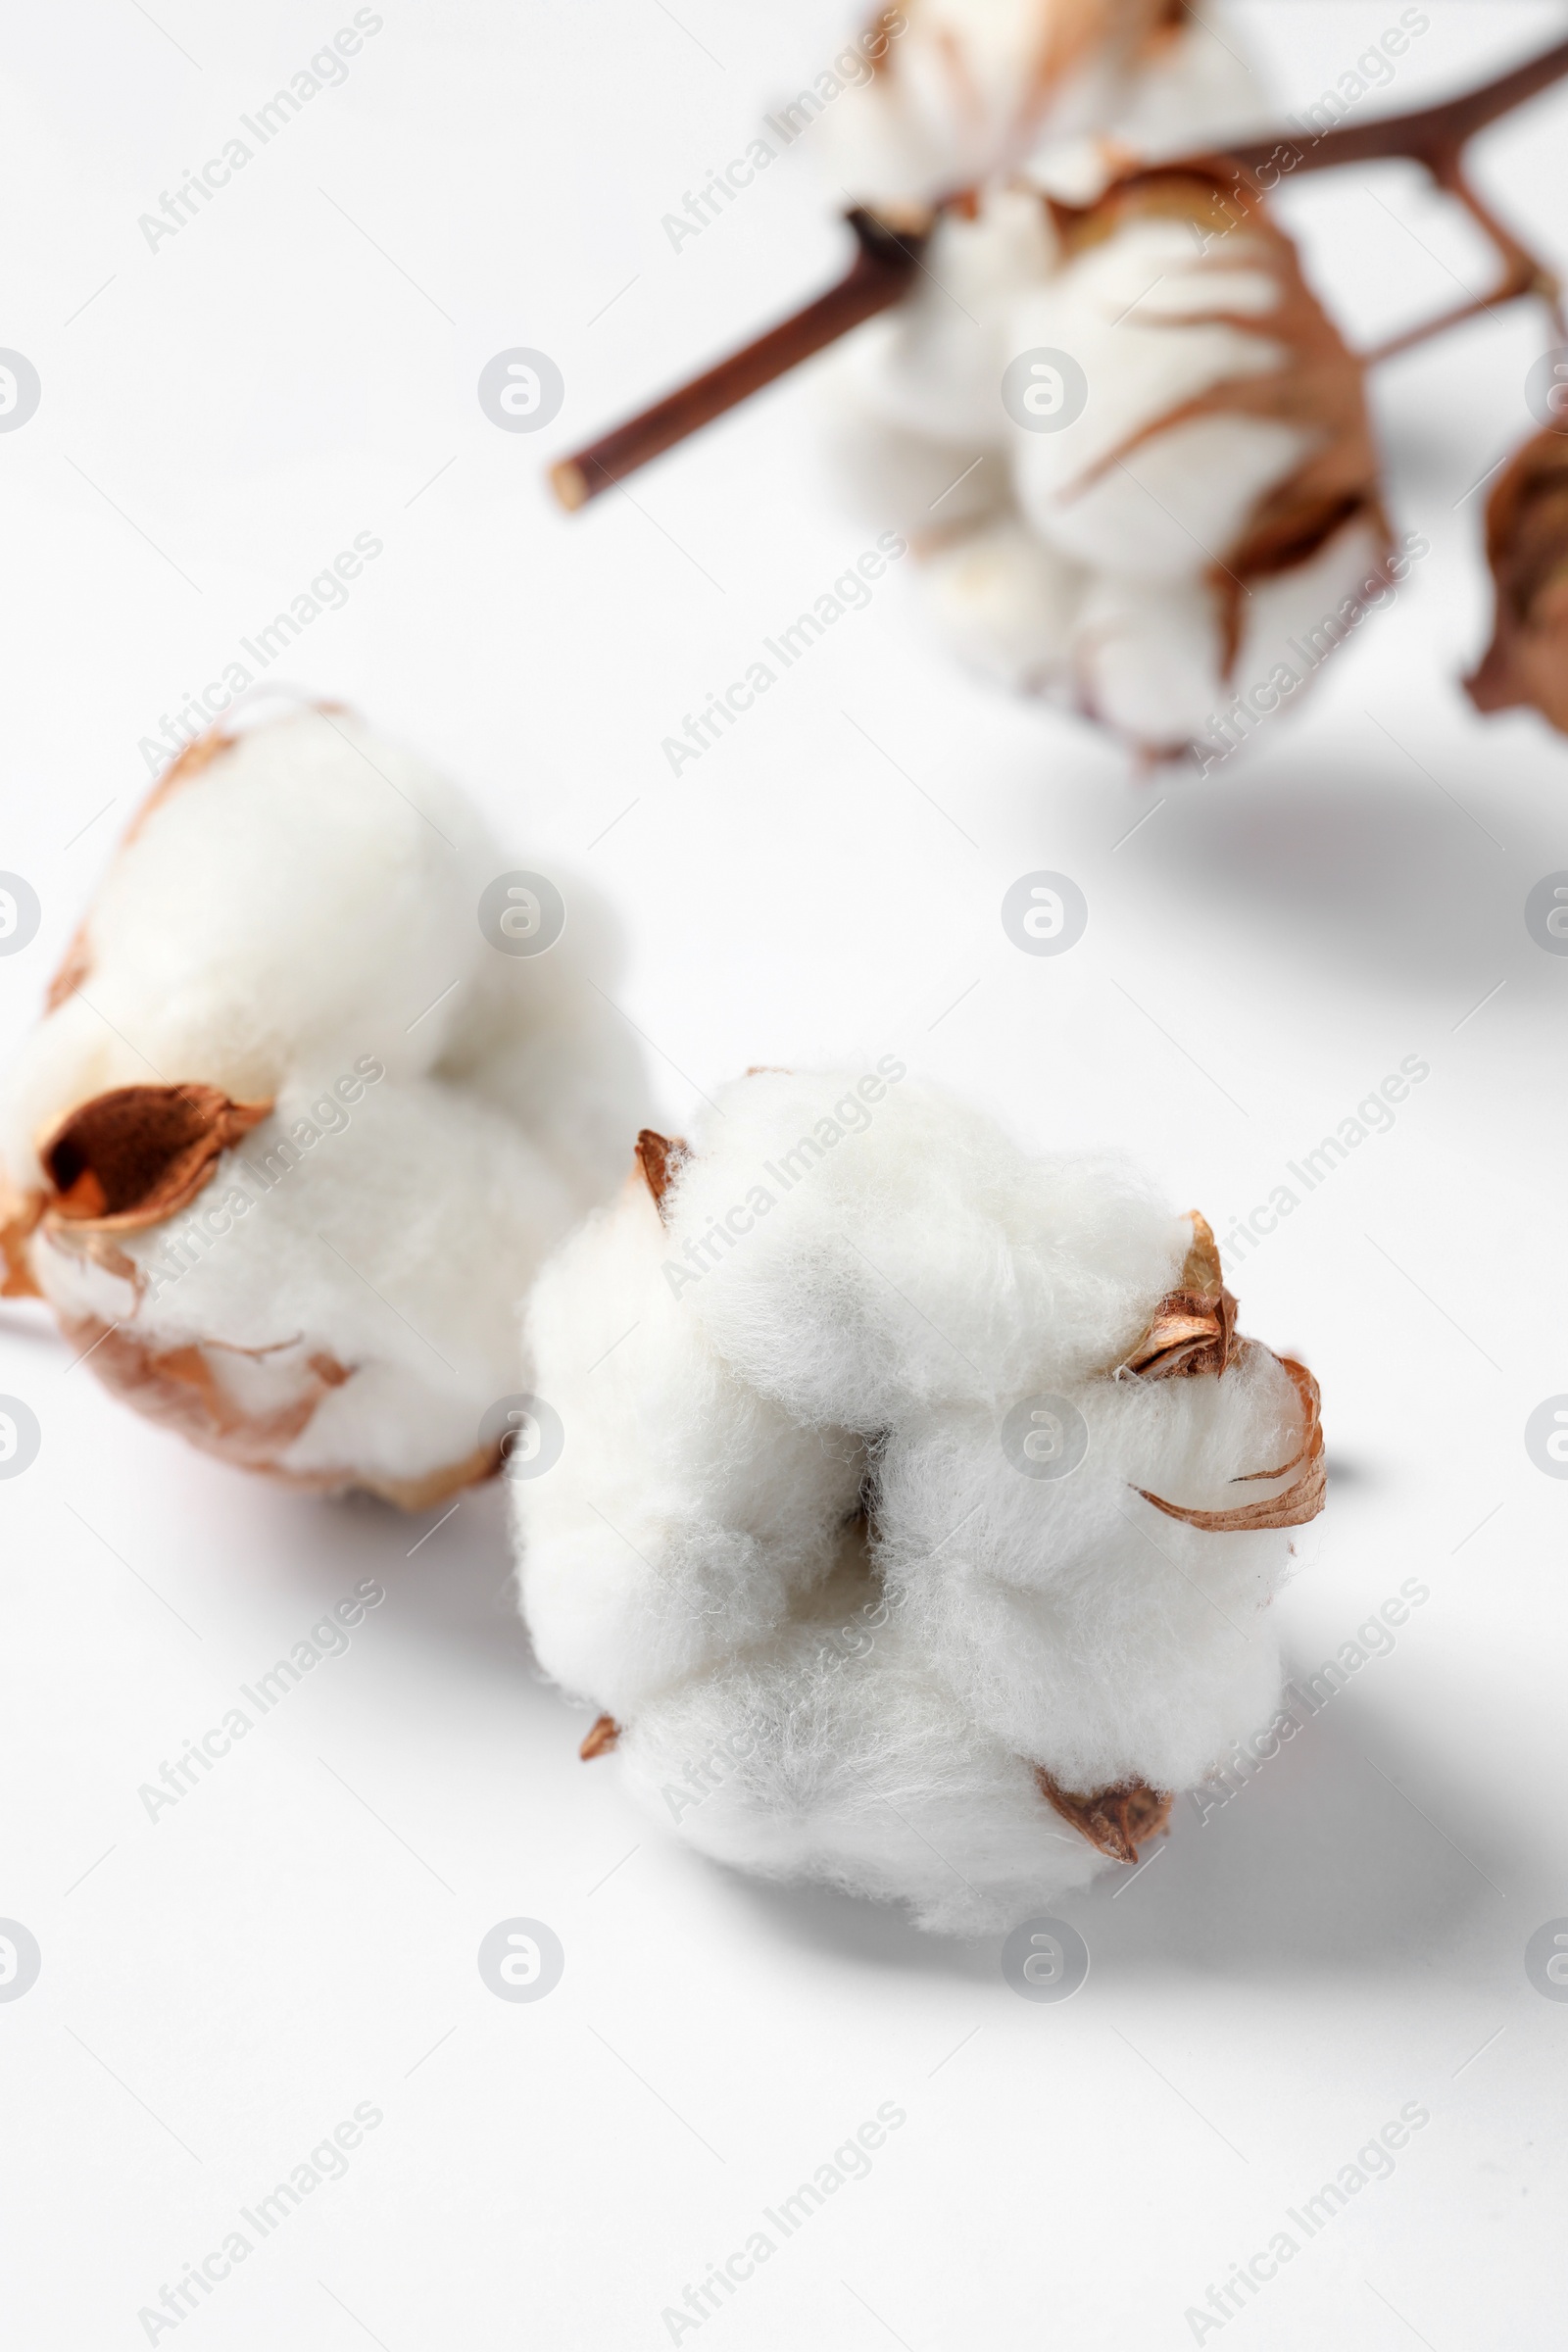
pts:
pixel 860 1933
pixel 449 1571
pixel 1358 870
pixel 1317 1865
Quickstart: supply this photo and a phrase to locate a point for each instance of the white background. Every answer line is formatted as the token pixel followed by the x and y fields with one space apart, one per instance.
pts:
pixel 221 1987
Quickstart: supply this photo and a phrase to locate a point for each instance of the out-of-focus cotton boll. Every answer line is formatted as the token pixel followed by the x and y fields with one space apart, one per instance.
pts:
pixel 1223 446
pixel 918 1505
pixel 1192 483
pixel 965 92
pixel 295 1134
pixel 1527 548
pixel 837 1753
pixel 1210 494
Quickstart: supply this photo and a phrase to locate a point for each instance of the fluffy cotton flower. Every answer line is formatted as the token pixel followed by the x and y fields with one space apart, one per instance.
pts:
pixel 1133 450
pixel 918 1508
pixel 967 92
pixel 296 1131
pixel 1527 548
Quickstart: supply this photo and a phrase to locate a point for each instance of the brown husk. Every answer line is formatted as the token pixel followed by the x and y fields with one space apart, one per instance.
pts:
pixel 1193 1335
pixel 20 1214
pixel 660 1158
pixel 1527 546
pixel 180 1387
pixel 132 1157
pixel 1299 1503
pixel 1115 1820
pixel 1192 1329
pixel 1321 389
pixel 600 1740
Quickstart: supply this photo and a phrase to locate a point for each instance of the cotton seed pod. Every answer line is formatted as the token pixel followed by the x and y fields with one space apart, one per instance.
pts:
pixel 1527 548
pixel 918 1507
pixel 961 93
pixel 301 1122
pixel 1141 471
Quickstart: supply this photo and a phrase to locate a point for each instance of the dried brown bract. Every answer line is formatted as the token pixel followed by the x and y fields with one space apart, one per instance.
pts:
pixel 137 1155
pixel 1115 1821
pixel 1527 548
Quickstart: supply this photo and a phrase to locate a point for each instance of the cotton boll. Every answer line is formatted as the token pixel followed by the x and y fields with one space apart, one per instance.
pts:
pixel 1141 370
pixel 1199 90
pixel 1084 1629
pixel 934 365
pixel 918 1507
pixel 913 423
pixel 287 898
pixel 835 1752
pixel 541 1037
pixel 686 1510
pixel 911 1249
pixel 317 1274
pixel 962 90
pixel 897 480
pixel 1008 604
pixel 1294 618
pixel 1221 471
pixel 339 1311
pixel 1150 658
pixel 1155 517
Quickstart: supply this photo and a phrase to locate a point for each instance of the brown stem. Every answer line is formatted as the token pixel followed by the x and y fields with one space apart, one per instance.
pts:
pixel 1430 135
pixel 1523 274
pixel 881 269
pixel 1433 135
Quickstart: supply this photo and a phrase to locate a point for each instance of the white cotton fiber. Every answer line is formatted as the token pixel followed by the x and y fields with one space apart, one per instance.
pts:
pixel 967 92
pixel 395 1120
pixel 1212 444
pixel 823 1540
